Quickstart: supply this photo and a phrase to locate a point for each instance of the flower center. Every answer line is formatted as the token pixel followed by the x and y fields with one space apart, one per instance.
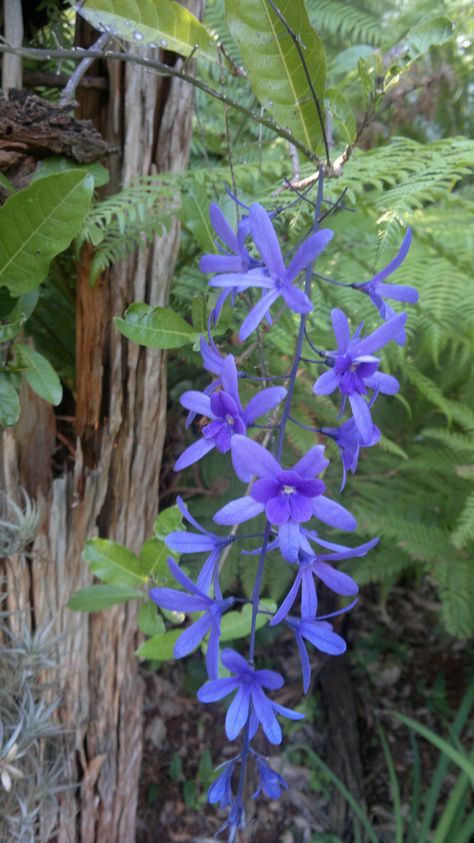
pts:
pixel 230 419
pixel 288 490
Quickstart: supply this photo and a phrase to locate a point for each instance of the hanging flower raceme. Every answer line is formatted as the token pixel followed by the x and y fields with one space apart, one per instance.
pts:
pixel 289 497
pixel 273 277
pixel 226 415
pixel 354 369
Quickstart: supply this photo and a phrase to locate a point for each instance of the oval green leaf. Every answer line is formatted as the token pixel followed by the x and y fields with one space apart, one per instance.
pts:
pixel 37 224
pixel 94 598
pixel 9 330
pixel 155 327
pixel 274 67
pixel 114 563
pixel 238 624
pixel 149 23
pixel 149 621
pixel 39 373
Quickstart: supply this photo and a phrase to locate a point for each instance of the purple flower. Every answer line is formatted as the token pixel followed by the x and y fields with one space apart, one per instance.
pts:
pixel 249 700
pixel 311 565
pixel 377 290
pixel 288 497
pixel 182 542
pixel 236 259
pixel 226 414
pixel 320 634
pixel 349 441
pixel 354 368
pixel 221 788
pixel 195 601
pixel 270 781
pixel 274 276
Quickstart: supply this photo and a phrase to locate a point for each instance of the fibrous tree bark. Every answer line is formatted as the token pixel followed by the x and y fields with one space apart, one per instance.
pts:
pixel 112 488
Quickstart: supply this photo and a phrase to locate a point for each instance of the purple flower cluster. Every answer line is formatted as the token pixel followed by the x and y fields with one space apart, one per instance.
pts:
pixel 285 499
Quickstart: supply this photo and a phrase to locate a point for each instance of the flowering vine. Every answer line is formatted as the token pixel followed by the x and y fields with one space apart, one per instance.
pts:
pixel 291 498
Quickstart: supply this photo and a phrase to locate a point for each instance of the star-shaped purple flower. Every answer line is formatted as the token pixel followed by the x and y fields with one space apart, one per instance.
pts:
pixel 378 290
pixel 311 565
pixel 195 601
pixel 182 542
pixel 354 368
pixel 249 700
pixel 288 497
pixel 274 277
pixel 226 414
pixel 221 788
pixel 270 781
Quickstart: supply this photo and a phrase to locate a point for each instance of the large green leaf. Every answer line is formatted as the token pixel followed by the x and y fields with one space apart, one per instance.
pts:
pixel 238 624
pixel 94 598
pixel 114 563
pixel 37 224
pixel 39 373
pixel 155 327
pixel 169 519
pixel 9 402
pixel 152 23
pixel 274 66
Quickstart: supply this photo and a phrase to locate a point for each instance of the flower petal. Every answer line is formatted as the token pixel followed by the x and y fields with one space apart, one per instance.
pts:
pixel 308 252
pixel 233 661
pixel 222 228
pixel 217 689
pixel 257 313
pixel 220 264
pixel 191 638
pixel 296 299
pixel 287 604
pixel 250 459
pixel 289 540
pixel 327 382
pixel 198 402
pixel 340 326
pixel 264 711
pixel 381 336
pixel 266 241
pixel 312 463
pixel 263 402
pixel 237 713
pixel 333 513
pixel 363 419
pixel 309 597
pixel 178 601
pixel 194 453
pixel 386 384
pixel 337 581
pixel 398 292
pixel 238 511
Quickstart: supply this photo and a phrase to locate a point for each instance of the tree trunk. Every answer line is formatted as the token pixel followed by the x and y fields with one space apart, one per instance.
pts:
pixel 112 490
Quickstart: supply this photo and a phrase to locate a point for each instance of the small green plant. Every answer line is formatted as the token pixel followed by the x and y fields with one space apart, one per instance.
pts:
pixel 441 813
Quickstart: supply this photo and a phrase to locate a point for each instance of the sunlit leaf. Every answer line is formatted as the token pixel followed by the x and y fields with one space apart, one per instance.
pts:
pixel 39 373
pixel 38 223
pixel 274 66
pixel 94 598
pixel 152 24
pixel 160 647
pixel 114 563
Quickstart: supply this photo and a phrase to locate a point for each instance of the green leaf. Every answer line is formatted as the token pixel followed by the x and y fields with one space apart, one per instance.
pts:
pixel 342 113
pixel 9 402
pixel 152 24
pixel 94 598
pixel 149 621
pixel 458 758
pixel 168 520
pixel 114 563
pixel 37 224
pixel 274 66
pixel 7 184
pixel 154 554
pixel 237 624
pixel 155 327
pixel 39 373
pixel 428 34
pixel 160 647
pixel 9 330
pixel 58 164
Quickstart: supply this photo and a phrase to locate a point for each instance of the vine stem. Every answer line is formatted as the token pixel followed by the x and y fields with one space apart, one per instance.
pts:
pixel 78 54
pixel 286 415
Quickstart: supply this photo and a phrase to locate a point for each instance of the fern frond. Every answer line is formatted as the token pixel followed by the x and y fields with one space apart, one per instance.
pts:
pixel 464 531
